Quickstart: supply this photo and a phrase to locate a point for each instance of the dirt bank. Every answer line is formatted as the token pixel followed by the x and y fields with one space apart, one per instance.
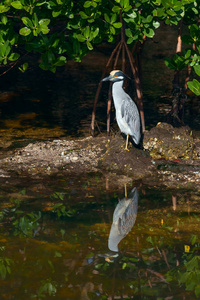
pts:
pixel 170 157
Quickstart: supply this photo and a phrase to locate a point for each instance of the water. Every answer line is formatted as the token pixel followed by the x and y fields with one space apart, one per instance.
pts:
pixel 57 234
pixel 54 240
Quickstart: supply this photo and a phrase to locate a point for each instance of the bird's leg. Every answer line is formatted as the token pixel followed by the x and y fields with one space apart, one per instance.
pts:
pixel 125 190
pixel 126 148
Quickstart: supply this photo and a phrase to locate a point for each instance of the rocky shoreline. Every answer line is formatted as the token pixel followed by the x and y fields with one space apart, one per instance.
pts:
pixel 170 157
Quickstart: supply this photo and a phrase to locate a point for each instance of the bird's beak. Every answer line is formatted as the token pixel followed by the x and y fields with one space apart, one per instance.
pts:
pixel 107 78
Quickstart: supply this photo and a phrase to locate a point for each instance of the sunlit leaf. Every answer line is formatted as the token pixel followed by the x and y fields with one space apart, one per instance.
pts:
pixel 14 56
pixel 87 4
pixel 4 20
pixel 44 22
pixel 83 15
pixel 80 37
pixel 55 14
pixel 25 31
pixel 124 266
pixel 194 86
pixel 197 69
pixel 4 8
pixel 117 25
pixel 27 22
pixel 17 4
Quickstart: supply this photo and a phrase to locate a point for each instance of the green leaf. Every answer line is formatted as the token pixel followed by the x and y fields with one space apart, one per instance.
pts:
pixel 61 61
pixel 57 254
pixel 128 32
pixel 4 20
pixel 44 22
pixel 113 18
pixel 195 10
pixel 89 45
pixel 25 67
pixel 5 49
pixel 160 12
pixel 87 4
pixel 94 4
pixel 133 15
pixel 25 31
pixel 148 19
pixel 171 13
pixel 40 3
pixel 44 29
pixel 117 25
pixel 27 22
pixel 194 31
pixel 35 20
pixel 149 32
pixel 87 32
pixel 126 9
pixel 156 24
pixel 83 15
pixel 56 13
pixel 112 29
pixel 14 56
pixel 80 38
pixel 188 53
pixel 124 266
pixel 193 239
pixel 130 40
pixel 116 9
pixel 106 17
pixel 126 3
pixel 4 8
pixel 194 86
pixel 96 32
pixel 17 4
pixel 197 69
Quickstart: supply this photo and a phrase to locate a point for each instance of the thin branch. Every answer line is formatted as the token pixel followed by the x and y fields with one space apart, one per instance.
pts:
pixel 162 278
pixel 9 68
pixel 99 88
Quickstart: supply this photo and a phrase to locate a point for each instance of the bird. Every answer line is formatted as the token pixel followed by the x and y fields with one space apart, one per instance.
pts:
pixel 127 114
pixel 124 218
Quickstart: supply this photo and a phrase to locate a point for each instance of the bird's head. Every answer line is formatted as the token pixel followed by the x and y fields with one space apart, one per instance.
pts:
pixel 115 75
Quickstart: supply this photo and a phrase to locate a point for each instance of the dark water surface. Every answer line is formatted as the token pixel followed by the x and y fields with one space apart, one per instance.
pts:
pixel 76 239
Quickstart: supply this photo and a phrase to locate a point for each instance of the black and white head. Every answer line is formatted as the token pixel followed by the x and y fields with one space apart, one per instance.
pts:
pixel 115 75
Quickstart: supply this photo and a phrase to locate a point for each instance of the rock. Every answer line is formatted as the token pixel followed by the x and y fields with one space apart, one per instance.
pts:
pixel 165 141
pixel 135 162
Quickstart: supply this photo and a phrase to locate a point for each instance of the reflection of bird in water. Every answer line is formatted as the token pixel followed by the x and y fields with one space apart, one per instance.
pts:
pixel 127 115
pixel 123 219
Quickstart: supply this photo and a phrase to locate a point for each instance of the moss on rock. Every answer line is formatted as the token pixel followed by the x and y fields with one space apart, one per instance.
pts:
pixel 165 141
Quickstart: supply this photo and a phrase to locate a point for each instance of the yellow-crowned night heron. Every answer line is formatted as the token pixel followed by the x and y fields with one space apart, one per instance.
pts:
pixel 123 219
pixel 127 114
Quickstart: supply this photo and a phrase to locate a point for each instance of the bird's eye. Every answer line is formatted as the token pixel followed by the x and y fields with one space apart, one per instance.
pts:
pixel 115 75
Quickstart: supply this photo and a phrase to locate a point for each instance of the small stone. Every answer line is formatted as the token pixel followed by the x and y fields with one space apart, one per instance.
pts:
pixel 74 158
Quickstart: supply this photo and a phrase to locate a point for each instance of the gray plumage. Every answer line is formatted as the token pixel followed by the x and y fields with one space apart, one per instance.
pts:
pixel 123 219
pixel 127 115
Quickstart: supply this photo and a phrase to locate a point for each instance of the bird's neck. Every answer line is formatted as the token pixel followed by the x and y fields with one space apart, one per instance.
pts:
pixel 117 92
